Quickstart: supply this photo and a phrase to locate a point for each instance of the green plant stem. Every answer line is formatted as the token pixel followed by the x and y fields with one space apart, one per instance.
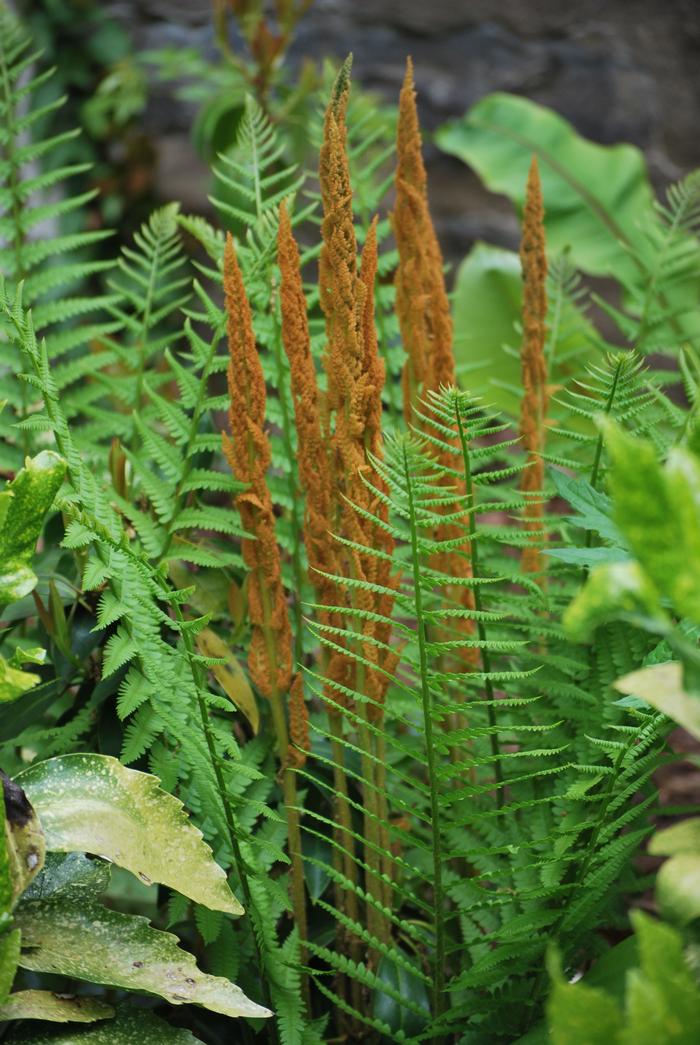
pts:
pixel 438 1000
pixel 595 469
pixel 481 626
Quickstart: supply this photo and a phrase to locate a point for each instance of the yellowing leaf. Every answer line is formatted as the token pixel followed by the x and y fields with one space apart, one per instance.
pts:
pixel 57 1008
pixel 230 675
pixel 661 685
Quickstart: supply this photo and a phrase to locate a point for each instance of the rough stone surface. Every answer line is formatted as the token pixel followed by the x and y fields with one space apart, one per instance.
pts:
pixel 620 70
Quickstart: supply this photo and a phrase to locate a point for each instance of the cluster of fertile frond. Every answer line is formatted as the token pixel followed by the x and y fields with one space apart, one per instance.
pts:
pixel 248 453
pixel 470 792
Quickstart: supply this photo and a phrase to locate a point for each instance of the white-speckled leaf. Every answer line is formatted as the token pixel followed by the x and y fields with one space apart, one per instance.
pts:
pixel 56 1008
pixel 93 804
pixel 129 1028
pixel 89 942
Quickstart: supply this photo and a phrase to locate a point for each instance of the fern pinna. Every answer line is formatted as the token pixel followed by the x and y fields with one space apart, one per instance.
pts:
pixel 55 267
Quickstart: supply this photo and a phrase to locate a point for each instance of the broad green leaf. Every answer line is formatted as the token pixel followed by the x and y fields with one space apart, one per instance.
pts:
pixel 9 958
pixel 661 685
pixel 408 985
pixel 614 590
pixel 486 306
pixel 595 196
pixel 78 937
pixel 658 510
pixel 579 1014
pixel 230 675
pixel 13 681
pixel 24 839
pixel 663 1001
pixel 679 838
pixel 23 505
pixel 93 804
pixel 678 888
pixel 131 1027
pixel 678 880
pixel 56 1008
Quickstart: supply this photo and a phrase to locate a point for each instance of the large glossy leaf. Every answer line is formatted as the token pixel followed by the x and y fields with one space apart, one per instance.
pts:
pixel 56 1008
pixel 596 197
pixel 131 1027
pixel 66 931
pixel 24 839
pixel 23 505
pixel 93 804
pixel 486 306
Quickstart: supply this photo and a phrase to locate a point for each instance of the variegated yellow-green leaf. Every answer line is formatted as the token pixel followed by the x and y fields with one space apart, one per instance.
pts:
pixel 131 1027
pixel 661 685
pixel 93 804
pixel 66 931
pixel 56 1008
pixel 23 505
pixel 25 845
pixel 658 510
pixel 612 590
pixel 13 680
pixel 230 675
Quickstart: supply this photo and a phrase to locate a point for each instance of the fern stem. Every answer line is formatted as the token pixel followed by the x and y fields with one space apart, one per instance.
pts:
pixel 481 625
pixel 289 792
pixel 426 698
pixel 600 442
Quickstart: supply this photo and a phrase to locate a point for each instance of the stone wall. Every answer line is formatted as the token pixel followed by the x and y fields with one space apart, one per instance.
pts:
pixel 620 70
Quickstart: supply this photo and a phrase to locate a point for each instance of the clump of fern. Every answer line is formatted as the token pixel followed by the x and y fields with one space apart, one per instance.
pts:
pixel 339 639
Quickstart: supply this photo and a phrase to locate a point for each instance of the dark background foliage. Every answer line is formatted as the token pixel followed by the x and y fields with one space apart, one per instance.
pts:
pixel 620 70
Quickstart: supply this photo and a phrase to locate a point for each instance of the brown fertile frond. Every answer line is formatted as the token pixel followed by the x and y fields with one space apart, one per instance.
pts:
pixel 298 724
pixel 421 298
pixel 355 376
pixel 312 447
pixel 247 450
pixel 533 258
